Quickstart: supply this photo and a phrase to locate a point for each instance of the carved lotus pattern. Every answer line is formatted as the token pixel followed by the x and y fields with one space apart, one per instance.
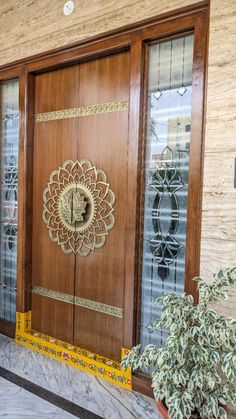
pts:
pixel 78 207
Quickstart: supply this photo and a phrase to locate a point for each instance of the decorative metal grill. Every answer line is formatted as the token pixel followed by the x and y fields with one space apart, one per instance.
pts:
pixel 9 198
pixel 166 177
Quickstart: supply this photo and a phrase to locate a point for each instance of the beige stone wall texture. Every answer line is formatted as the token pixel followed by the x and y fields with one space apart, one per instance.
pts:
pixel 28 27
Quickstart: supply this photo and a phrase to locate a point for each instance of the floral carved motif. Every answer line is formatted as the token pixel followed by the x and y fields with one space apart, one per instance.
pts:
pixel 78 207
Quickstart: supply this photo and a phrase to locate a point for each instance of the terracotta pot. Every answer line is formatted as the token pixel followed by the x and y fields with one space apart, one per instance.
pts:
pixel 164 411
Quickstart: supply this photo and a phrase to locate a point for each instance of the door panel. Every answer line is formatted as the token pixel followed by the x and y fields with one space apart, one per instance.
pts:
pixel 80 298
pixel 54 142
pixel 103 139
pixel 98 332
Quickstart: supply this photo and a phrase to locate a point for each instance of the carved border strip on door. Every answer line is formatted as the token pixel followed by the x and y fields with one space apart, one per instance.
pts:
pixel 99 108
pixel 78 301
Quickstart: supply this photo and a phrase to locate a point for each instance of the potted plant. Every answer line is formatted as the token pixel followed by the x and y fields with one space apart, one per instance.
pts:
pixel 193 375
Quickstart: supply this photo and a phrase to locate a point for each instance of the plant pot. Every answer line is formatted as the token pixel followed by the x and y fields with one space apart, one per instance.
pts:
pixel 164 411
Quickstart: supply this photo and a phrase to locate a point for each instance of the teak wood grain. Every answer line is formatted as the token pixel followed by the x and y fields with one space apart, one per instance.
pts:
pixel 54 143
pixel 134 163
pixel 134 39
pixel 25 190
pixel 195 182
pixel 103 139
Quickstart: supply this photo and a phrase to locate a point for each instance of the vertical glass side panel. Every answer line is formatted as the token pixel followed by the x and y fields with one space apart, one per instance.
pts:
pixel 166 177
pixel 9 135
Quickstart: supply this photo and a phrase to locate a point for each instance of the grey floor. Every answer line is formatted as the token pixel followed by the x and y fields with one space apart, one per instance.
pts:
pixel 15 402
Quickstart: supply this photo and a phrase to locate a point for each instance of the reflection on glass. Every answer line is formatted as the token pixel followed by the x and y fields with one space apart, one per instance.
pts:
pixel 9 197
pixel 166 177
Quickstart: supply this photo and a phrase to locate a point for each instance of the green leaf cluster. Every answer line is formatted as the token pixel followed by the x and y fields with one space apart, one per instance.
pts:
pixel 195 372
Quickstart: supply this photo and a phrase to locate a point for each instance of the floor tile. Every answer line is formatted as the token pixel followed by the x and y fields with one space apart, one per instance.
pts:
pixel 16 403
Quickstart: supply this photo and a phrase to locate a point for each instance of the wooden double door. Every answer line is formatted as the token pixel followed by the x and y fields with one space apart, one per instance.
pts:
pixel 80 203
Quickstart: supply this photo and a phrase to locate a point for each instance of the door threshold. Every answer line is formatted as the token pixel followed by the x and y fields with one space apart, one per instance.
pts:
pixel 74 356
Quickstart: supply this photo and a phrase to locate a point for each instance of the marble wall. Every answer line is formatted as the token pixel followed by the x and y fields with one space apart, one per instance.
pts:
pixel 218 246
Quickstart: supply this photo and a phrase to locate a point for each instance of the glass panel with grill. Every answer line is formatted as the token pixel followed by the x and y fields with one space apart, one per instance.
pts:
pixel 9 111
pixel 166 176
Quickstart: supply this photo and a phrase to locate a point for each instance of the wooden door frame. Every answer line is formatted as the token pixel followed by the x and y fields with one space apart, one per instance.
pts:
pixel 134 37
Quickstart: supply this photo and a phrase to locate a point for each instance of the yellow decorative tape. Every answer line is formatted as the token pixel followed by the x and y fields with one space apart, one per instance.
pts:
pixel 74 356
pixel 23 322
pixel 121 105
